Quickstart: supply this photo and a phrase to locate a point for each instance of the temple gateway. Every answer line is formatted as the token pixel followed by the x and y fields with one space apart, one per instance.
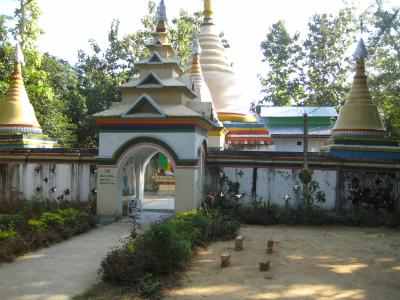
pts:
pixel 176 130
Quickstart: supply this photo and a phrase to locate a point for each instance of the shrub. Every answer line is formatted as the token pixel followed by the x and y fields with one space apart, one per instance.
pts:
pixel 222 227
pixel 37 225
pixel 7 234
pixel 167 250
pixel 11 221
pixel 12 246
pixel 164 249
pixel 123 266
pixel 192 226
pixel 150 287
pixel 52 219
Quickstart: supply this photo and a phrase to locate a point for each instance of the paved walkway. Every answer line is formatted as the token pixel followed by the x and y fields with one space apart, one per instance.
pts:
pixel 63 270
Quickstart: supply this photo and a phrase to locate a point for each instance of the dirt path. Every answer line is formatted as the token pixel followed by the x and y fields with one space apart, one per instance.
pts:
pixel 310 263
pixel 63 270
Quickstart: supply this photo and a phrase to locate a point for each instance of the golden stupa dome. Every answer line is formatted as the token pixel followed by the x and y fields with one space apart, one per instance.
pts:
pixel 359 115
pixel 16 112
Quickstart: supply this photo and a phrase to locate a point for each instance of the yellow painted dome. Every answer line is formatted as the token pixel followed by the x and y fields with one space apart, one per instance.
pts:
pixel 359 116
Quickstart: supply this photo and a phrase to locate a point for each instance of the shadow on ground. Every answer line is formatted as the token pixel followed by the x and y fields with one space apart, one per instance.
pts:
pixel 309 263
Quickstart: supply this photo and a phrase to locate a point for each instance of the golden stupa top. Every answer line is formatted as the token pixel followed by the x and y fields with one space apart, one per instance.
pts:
pixel 359 115
pixel 16 112
pixel 208 9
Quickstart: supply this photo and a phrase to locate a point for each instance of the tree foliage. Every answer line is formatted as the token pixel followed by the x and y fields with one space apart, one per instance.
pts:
pixel 283 54
pixel 312 71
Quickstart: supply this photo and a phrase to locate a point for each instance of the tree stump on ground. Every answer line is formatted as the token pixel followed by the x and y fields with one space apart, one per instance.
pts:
pixel 270 247
pixel 265 266
pixel 225 260
pixel 239 243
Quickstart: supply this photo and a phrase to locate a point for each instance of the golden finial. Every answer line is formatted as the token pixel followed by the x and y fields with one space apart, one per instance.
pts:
pixel 208 9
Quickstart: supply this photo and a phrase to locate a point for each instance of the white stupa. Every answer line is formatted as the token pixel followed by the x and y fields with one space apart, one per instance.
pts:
pixel 217 70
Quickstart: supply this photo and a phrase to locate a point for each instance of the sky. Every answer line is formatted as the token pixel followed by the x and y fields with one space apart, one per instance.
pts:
pixel 69 24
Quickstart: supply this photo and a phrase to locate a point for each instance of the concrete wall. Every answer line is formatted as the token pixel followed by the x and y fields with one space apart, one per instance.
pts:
pixel 274 184
pixel 74 181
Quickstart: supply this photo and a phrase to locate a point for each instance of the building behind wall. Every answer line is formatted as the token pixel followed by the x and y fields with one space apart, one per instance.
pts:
pixel 286 126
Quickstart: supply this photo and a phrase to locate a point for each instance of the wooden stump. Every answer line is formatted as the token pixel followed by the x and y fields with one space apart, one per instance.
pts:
pixel 270 247
pixel 265 266
pixel 239 243
pixel 225 260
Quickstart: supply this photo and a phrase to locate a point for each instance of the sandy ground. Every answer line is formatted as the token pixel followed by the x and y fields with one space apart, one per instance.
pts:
pixel 309 263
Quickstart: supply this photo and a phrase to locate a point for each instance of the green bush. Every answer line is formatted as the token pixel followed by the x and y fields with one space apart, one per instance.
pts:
pixel 11 247
pixel 222 227
pixel 192 226
pixel 7 234
pixel 150 286
pixel 164 249
pixel 11 221
pixel 123 266
pixel 52 219
pixel 37 225
pixel 40 223
pixel 167 250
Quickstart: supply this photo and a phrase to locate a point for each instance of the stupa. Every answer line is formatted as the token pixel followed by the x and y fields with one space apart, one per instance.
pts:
pixel 359 132
pixel 19 127
pixel 244 131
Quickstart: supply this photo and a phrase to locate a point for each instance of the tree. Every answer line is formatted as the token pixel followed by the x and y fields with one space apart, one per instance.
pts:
pixel 326 60
pixel 384 63
pixel 313 71
pixel 283 53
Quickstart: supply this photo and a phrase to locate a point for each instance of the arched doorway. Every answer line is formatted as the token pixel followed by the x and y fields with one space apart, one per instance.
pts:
pixel 121 177
pixel 134 166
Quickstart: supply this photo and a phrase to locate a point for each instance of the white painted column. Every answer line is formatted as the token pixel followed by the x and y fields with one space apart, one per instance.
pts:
pixel 139 184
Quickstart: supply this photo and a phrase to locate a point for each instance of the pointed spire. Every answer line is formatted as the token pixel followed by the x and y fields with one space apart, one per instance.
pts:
pixel 196 48
pixel 208 9
pixel 196 51
pixel 161 17
pixel 17 114
pixel 199 85
pixel 361 51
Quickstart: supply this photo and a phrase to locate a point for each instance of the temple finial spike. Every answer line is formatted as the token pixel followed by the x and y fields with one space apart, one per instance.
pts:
pixel 161 15
pixel 361 51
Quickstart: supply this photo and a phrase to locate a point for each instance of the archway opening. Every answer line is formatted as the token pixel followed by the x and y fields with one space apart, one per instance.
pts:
pixel 146 175
pixel 159 184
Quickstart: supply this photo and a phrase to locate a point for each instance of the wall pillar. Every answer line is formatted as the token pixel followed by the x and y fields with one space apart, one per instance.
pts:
pixel 109 197
pixel 188 194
